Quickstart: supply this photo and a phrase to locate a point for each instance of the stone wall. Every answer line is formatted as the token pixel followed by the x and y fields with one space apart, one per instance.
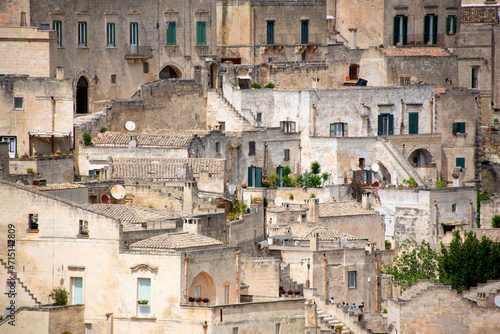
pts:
pixel 10 12
pixel 262 276
pixel 247 232
pixel 370 227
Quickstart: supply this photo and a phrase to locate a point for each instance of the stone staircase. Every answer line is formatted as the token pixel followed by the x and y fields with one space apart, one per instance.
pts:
pixel 19 282
pixel 90 123
pixel 327 322
pixel 220 109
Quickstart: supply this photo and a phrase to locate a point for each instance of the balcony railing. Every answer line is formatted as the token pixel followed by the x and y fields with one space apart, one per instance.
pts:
pixel 421 40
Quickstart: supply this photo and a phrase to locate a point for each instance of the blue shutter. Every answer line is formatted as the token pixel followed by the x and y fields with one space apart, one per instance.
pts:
pixel 460 162
pixel 77 290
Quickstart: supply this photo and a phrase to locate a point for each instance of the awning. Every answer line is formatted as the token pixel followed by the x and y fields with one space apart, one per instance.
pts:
pixel 49 133
pixel 329 17
pixel 244 77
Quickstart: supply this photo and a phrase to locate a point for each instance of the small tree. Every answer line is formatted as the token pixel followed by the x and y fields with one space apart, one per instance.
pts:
pixel 87 139
pixel 104 129
pixel 315 168
pixel 325 177
pixel 256 85
pixel 60 296
pixel 495 221
pixel 287 170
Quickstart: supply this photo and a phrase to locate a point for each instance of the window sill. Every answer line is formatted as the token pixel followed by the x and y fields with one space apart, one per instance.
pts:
pixel 352 287
pixel 82 47
pixel 82 236
pixel 60 47
pixel 461 135
pixel 30 230
pixel 111 47
pixel 173 46
pixel 143 318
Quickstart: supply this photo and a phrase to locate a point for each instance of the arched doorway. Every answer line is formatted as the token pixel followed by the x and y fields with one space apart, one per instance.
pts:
pixel 420 158
pixel 170 72
pixel 354 72
pixel 203 286
pixel 383 173
pixel 213 76
pixel 82 96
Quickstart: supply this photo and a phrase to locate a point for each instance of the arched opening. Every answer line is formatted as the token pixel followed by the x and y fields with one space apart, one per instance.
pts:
pixel 353 72
pixel 203 286
pixel 420 158
pixel 383 174
pixel 244 80
pixel 82 96
pixel 213 76
pixel 170 72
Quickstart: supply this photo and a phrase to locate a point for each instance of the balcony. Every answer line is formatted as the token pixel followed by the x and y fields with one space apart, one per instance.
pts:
pixel 139 53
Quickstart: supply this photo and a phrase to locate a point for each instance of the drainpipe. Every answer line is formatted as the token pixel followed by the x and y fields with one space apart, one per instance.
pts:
pixel 325 261
pixel 225 237
pixel 376 284
pixel 230 165
pixel 471 215
pixel 186 259
pixel 432 115
pixel 435 223
pixel 253 35
pixel 402 115
pixel 314 121
pixel 53 120
pixel 265 158
pixel 237 276
pixel 300 160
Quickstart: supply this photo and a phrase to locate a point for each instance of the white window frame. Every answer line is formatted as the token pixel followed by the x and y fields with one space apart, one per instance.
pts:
pixel 74 296
pixel 16 98
pixel 82 34
pixel 352 275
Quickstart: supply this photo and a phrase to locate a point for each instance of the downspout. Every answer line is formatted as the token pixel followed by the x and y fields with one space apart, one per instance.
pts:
pixel 432 115
pixel 225 237
pixel 402 115
pixel 265 158
pixel 53 121
pixel 376 284
pixel 186 259
pixel 314 121
pixel 325 260
pixel 253 34
pixel 230 165
pixel 435 223
pixel 300 160
pixel 471 215
pixel 237 276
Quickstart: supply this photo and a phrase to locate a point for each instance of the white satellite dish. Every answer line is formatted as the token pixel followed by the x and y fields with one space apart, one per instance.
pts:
pixel 497 301
pixel 375 167
pixel 278 201
pixel 130 126
pixel 118 191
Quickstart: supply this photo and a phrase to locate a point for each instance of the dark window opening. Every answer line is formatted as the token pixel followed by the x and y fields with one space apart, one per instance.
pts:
pixel 430 29
pixel 33 221
pixel 474 77
pixel 145 67
pixel 400 30
pixel 304 32
pixel 113 78
pixel 18 103
pixel 354 72
pixel 458 128
pixel 287 154
pixel 361 163
pixel 251 148
pixel 270 32
pixel 259 117
pixel 83 227
pixel 217 147
pixel 82 96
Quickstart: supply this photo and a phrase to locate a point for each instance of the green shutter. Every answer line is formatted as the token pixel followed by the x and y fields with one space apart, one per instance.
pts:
pixel 434 29
pixel 427 23
pixel 380 125
pixel 258 176
pixel 405 30
pixel 462 127
pixel 454 21
pixel 77 290
pixel 270 32
pixel 171 33
pixel 332 130
pixel 342 129
pixel 448 24
pixel 201 33
pixel 460 162
pixel 282 126
pixel 391 124
pixel 304 32
pixel 396 30
pixel 454 130
pixel 279 171
pixel 250 178
pixel 413 126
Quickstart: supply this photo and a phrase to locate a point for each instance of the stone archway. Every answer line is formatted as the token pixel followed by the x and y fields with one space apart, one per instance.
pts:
pixel 82 95
pixel 384 174
pixel 420 158
pixel 170 72
pixel 204 284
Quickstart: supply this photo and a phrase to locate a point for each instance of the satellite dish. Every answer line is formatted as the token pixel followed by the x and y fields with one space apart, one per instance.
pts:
pixel 118 191
pixel 497 301
pixel 105 199
pixel 278 201
pixel 375 167
pixel 130 126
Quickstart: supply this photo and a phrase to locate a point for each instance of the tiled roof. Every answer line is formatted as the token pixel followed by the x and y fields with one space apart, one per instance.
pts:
pixel 486 288
pixel 307 232
pixel 132 217
pixel 479 14
pixel 293 208
pixel 119 139
pixel 336 209
pixel 176 241
pixel 168 132
pixel 144 167
pixel 415 52
pixel 59 186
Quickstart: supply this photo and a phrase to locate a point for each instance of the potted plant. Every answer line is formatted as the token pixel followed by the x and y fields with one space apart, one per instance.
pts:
pixel 25 156
pixel 206 300
pixel 51 155
pixel 45 155
pixel 30 170
pixel 339 328
pixel 16 155
pixel 297 293
pixel 191 300
pixel 71 153
pixel 142 301
pixel 244 185
pixel 257 200
pixel 289 293
pixel 64 154
pixel 198 300
pixel 57 154
pixel 282 292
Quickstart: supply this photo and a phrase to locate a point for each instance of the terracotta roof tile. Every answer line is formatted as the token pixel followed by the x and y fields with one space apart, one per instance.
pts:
pixel 415 52
pixel 119 139
pixel 176 241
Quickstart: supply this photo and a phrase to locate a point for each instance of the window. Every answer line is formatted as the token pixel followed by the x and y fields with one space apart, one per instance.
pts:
pixel 217 147
pixel 451 25
pixel 385 124
pixel 113 78
pixel 226 294
pixel 270 32
pixel 145 67
pixel 259 117
pixel 277 328
pixel 171 33
pixel 12 145
pixel 144 297
pixel 57 26
pixel 286 152
pixel 353 72
pixel 338 129
pixel 254 176
pixel 460 162
pixel 197 291
pixel 361 163
pixel 413 123
pixel 82 34
pixel 88 328
pixel 474 77
pixel 430 29
pixel 22 23
pixel 201 33
pixel 304 32
pixel 304 55
pixel 453 208
pixel 18 103
pixel 110 35
pixel 83 227
pixel 33 221
pixel 400 30
pixel 235 330
pixel 222 126
pixel 351 279
pixel 404 80
pixel 76 290
pixel 287 126
pixel 459 128
pixel 251 148
pixel 134 37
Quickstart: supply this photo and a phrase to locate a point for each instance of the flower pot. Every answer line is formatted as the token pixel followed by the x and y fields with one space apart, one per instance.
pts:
pixel 258 201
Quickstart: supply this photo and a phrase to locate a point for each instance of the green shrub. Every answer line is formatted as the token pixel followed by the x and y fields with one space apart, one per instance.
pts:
pixel 440 184
pixel 411 182
pixel 269 85
pixel 313 196
pixel 287 170
pixel 291 196
pixel 315 168
pixel 387 245
pixel 60 295
pixel 256 85
pixel 286 181
pixel 495 221
pixel 87 139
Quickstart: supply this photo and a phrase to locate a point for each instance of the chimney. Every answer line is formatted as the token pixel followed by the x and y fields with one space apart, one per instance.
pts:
pixel 365 201
pixel 314 242
pixel 192 225
pixel 188 194
pixel 313 213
